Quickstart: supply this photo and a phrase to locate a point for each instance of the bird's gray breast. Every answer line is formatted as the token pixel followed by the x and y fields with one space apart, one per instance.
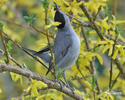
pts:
pixel 66 44
pixel 61 46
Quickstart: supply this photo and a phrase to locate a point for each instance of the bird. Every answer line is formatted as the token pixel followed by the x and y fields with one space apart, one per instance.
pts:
pixel 66 45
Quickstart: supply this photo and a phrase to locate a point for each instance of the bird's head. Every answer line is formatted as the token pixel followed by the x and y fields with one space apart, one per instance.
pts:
pixel 60 17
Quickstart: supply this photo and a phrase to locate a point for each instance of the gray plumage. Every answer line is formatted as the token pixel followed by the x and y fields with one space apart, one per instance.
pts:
pixel 66 44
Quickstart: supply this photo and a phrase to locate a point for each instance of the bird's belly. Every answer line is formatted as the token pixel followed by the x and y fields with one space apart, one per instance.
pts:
pixel 74 52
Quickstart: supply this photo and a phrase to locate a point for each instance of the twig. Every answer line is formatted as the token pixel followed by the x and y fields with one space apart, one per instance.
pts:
pixel 19 46
pixel 1 51
pixel 86 11
pixel 80 71
pixel 51 84
pixel 120 67
pixel 110 79
pixel 51 51
pixel 11 58
pixel 80 21
pixel 36 29
pixel 24 91
pixel 113 83
pixel 111 67
pixel 5 47
pixel 79 78
pixel 114 7
pixel 97 29
pixel 25 26
pixel 93 70
pixel 85 38
pixel 99 9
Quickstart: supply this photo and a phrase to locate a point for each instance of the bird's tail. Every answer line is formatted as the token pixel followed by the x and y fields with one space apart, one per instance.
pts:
pixel 31 51
pixel 44 56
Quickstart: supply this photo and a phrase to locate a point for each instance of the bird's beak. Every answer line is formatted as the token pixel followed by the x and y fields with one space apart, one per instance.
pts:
pixel 56 7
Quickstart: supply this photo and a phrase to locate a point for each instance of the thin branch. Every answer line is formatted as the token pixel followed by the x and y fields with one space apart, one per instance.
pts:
pixel 5 47
pixel 89 16
pixel 114 7
pixel 120 67
pixel 13 60
pixel 80 71
pixel 93 70
pixel 51 51
pixel 24 92
pixel 51 84
pixel 111 67
pixel 25 26
pixel 38 30
pixel 85 38
pixel 113 83
pixel 80 21
pixel 99 9
pixel 19 46
pixel 97 29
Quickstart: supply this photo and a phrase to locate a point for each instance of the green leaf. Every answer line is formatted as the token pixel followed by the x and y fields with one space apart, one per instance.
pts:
pixel 9 46
pixel 77 62
pixel 30 19
pixel 87 32
pixel 93 82
pixel 117 31
pixel 24 65
pixel 45 3
pixel 1 26
pixel 59 74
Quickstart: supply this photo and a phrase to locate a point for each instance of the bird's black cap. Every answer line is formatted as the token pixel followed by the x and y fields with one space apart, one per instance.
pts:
pixel 59 17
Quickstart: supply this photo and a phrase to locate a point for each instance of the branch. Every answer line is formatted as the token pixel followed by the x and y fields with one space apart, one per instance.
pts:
pixel 114 7
pixel 80 21
pixel 93 70
pixel 50 46
pixel 97 29
pixel 51 84
pixel 30 27
pixel 19 46
pixel 111 66
pixel 88 15
pixel 5 47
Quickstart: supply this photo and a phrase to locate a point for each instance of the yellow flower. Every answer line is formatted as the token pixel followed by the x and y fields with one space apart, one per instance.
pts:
pixel 3 2
pixel 34 86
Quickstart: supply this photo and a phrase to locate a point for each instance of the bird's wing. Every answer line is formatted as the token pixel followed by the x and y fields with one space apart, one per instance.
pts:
pixel 45 49
pixel 61 48
pixel 44 56
pixel 28 50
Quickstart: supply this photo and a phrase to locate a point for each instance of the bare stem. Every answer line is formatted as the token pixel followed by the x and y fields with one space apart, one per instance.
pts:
pixel 111 67
pixel 51 84
pixel 13 60
pixel 114 7
pixel 99 9
pixel 5 47
pixel 90 18
pixel 19 46
pixel 113 83
pixel 51 51
pixel 31 27
pixel 36 29
pixel 93 70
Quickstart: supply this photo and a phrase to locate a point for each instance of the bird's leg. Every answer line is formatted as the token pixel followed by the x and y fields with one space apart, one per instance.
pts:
pixel 66 81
